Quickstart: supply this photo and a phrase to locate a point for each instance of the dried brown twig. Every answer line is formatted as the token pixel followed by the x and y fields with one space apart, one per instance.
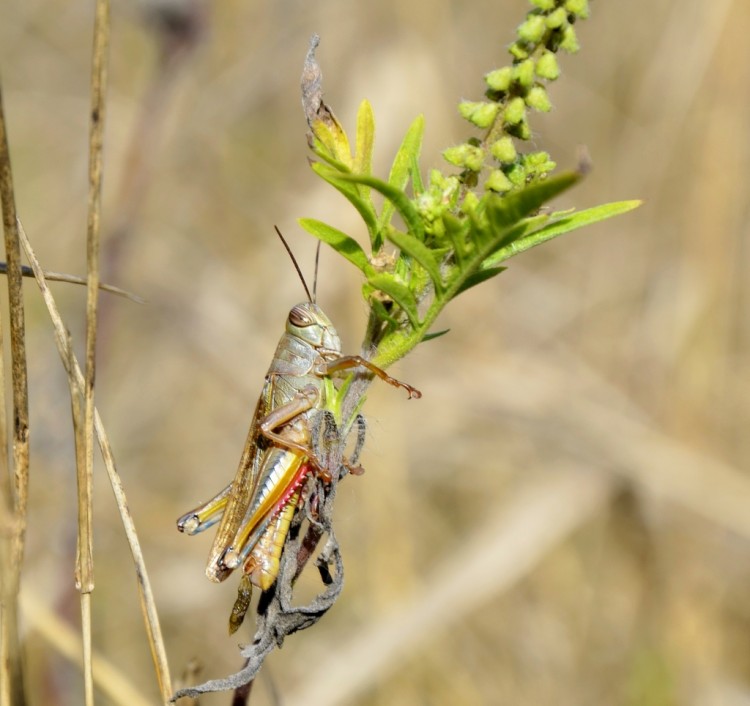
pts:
pixel 11 675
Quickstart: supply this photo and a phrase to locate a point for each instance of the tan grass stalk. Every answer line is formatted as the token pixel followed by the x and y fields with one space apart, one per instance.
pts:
pixel 66 641
pixel 11 676
pixel 85 433
pixel 148 606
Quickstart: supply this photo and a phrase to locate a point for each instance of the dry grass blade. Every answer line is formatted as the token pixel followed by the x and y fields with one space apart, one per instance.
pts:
pixel 499 553
pixel 73 279
pixel 148 605
pixel 10 658
pixel 85 433
pixel 63 638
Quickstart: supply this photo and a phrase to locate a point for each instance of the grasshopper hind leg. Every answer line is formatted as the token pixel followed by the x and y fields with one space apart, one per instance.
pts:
pixel 205 515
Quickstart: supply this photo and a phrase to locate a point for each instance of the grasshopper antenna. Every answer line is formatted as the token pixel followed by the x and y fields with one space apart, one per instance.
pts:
pixel 296 266
pixel 315 278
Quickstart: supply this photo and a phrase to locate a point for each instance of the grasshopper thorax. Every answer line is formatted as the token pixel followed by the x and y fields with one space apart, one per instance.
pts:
pixel 308 322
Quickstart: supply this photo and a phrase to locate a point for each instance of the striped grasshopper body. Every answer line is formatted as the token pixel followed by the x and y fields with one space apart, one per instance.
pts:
pixel 255 510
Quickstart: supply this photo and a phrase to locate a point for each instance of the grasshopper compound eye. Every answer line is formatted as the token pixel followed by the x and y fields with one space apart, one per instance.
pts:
pixel 300 318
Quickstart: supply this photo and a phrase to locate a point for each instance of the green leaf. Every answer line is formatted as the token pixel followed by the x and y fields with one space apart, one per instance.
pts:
pixel 400 200
pixel 400 294
pixel 418 251
pixel 406 157
pixel 377 306
pixel 432 336
pixel 417 185
pixel 565 225
pixel 457 230
pixel 320 151
pixel 332 140
pixel 339 241
pixel 517 232
pixel 365 141
pixel 478 277
pixel 349 188
pixel 504 211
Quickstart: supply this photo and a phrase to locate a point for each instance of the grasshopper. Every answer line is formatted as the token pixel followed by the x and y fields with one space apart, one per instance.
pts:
pixel 255 510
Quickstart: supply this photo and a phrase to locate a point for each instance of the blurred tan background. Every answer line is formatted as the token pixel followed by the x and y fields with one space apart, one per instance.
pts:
pixel 564 518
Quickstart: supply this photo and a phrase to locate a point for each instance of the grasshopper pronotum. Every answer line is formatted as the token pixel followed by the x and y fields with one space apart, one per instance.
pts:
pixel 256 508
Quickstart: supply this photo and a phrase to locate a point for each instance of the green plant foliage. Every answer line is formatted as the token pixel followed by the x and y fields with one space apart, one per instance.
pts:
pixel 454 231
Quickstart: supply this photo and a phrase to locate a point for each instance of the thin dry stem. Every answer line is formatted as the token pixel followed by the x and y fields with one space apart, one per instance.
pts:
pixel 84 569
pixel 85 557
pixel 11 675
pixel 73 279
pixel 66 641
pixel 148 606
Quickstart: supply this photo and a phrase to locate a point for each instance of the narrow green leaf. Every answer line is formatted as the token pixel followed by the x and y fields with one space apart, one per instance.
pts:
pixel 417 185
pixel 320 151
pixel 565 225
pixel 382 313
pixel 400 200
pixel 436 334
pixel 333 140
pixel 478 277
pixel 339 241
pixel 504 211
pixel 349 188
pixel 407 155
pixel 457 230
pixel 517 232
pixel 365 139
pixel 418 251
pixel 400 294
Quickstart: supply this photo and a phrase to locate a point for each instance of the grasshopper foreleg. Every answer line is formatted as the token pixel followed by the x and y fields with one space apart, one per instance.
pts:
pixel 280 417
pixel 347 362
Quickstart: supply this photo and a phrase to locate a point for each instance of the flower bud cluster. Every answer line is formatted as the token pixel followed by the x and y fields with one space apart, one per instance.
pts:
pixel 514 91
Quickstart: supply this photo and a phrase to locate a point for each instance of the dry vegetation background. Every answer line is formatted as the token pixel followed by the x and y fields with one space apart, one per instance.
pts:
pixel 564 518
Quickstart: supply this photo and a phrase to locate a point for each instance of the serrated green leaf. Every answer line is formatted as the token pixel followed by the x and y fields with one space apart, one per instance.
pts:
pixel 406 157
pixel 339 241
pixel 418 251
pixel 504 211
pixel 565 225
pixel 400 294
pixel 348 187
pixel 478 277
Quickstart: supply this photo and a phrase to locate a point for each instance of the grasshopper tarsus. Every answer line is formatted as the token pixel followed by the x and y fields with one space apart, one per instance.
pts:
pixel 188 524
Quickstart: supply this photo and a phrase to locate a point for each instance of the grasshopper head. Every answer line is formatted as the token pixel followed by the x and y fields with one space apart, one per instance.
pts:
pixel 308 322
